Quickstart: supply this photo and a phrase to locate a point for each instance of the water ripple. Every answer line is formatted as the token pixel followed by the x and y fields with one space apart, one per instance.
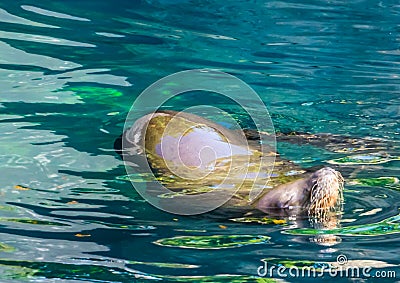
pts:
pixel 9 18
pixel 69 73
pixel 17 57
pixel 43 39
pixel 49 13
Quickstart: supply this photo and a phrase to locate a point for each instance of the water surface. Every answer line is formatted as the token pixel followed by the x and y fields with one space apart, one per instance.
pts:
pixel 69 72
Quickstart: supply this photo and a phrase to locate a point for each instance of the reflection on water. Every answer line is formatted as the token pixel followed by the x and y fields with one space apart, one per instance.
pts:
pixel 69 74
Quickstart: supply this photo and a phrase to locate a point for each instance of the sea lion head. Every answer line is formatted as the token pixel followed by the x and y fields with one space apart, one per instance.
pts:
pixel 318 194
pixel 326 193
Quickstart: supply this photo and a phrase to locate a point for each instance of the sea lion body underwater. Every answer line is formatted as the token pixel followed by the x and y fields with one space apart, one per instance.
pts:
pixel 193 154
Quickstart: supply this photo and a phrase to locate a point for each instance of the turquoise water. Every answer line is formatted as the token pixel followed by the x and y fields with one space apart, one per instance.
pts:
pixel 69 72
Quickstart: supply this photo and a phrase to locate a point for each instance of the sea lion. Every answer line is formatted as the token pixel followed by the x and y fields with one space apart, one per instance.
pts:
pixel 191 154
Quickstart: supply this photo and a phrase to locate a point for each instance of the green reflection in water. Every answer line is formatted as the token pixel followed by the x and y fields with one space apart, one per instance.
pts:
pixel 32 221
pixel 7 208
pixel 212 242
pixel 30 269
pixel 92 91
pixel 13 269
pixel 369 159
pixel 260 220
pixel 388 226
pixel 102 95
pixel 6 248
pixel 386 182
pixel 164 264
pixel 133 227
pixel 8 272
